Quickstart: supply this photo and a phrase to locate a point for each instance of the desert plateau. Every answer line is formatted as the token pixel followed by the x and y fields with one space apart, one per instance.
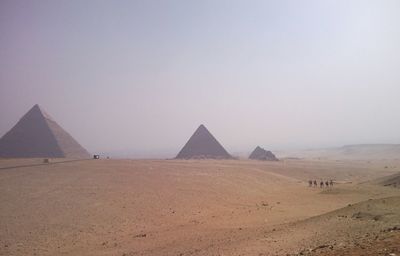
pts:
pixel 198 207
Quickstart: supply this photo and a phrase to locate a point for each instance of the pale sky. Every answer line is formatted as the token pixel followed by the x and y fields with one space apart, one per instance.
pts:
pixel 140 76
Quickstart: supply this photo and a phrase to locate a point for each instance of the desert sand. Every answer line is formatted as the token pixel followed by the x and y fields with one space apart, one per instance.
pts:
pixel 197 207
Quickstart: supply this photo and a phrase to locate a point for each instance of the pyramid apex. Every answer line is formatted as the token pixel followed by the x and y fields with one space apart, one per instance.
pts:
pixel 202 127
pixel 35 110
pixel 258 147
pixel 36 107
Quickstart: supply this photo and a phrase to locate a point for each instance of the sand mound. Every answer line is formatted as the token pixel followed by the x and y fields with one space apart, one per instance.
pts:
pixel 389 181
pixel 353 228
pixel 386 210
pixel 393 181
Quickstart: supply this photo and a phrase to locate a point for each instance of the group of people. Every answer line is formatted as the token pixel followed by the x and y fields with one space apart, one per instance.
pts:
pixel 321 183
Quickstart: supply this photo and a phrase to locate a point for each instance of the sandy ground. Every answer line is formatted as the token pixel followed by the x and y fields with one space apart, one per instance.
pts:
pixel 204 207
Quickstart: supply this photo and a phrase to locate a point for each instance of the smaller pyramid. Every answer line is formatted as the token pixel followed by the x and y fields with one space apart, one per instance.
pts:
pixel 262 154
pixel 201 145
pixel 37 135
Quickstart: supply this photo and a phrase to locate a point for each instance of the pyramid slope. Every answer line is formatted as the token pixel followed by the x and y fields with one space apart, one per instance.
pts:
pixel 37 135
pixel 202 144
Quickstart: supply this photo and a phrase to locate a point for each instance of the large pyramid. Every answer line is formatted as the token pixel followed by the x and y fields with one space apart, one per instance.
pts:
pixel 37 135
pixel 202 144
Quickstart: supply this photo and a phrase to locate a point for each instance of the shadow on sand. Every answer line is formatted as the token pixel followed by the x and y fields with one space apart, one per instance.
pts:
pixel 50 163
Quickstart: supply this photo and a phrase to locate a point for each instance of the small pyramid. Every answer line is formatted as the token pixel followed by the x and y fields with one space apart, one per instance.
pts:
pixel 262 154
pixel 202 144
pixel 37 135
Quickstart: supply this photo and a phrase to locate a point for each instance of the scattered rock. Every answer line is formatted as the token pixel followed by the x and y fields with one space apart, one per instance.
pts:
pixel 395 228
pixel 366 216
pixel 320 247
pixel 140 235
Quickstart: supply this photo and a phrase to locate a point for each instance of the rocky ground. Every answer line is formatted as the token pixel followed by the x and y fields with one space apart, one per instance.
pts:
pixel 370 228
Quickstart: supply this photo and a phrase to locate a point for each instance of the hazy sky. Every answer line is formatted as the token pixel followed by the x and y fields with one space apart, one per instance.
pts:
pixel 142 75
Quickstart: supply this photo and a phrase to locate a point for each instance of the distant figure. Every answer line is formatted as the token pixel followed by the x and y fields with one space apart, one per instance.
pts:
pixel 327 184
pixel 331 183
pixel 315 183
pixel 321 184
pixel 310 183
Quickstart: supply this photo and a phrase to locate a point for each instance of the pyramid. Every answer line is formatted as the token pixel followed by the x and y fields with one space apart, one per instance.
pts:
pixel 202 144
pixel 37 135
pixel 262 154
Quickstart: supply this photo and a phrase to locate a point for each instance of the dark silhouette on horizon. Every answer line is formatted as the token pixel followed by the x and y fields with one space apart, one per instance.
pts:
pixel 202 144
pixel 36 134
